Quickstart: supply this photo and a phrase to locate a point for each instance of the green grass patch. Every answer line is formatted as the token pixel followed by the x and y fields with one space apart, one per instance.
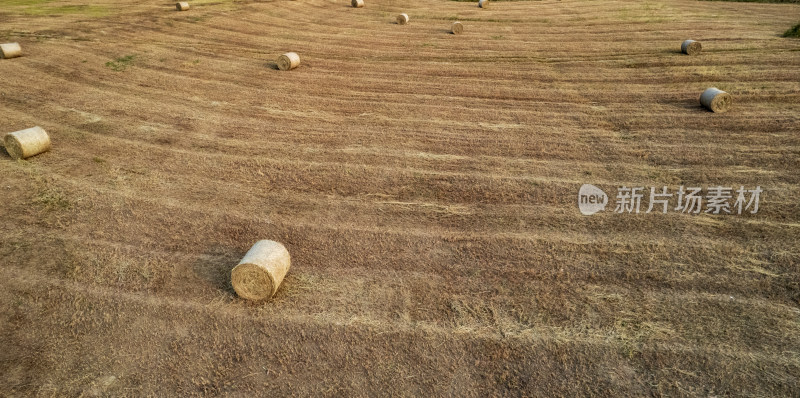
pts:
pixel 197 18
pixel 18 3
pixel 793 32
pixel 52 199
pixel 40 7
pixel 121 63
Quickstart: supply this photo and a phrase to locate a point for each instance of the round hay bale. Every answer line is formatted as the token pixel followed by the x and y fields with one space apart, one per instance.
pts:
pixel 10 50
pixel 288 61
pixel 402 19
pixel 457 28
pixel 261 271
pixel 26 143
pixel 357 3
pixel 716 100
pixel 483 3
pixel 691 47
pixel 182 6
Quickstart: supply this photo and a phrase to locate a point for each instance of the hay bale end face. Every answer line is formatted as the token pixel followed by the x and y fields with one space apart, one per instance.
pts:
pixel 10 50
pixel 716 100
pixel 402 19
pixel 483 3
pixel 261 271
pixel 182 6
pixel 457 28
pixel 288 61
pixel 691 47
pixel 357 3
pixel 26 143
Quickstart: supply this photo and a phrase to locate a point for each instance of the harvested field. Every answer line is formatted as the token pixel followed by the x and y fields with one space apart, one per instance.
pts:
pixel 425 186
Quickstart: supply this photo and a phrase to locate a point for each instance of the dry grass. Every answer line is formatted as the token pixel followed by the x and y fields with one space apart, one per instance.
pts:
pixel 425 188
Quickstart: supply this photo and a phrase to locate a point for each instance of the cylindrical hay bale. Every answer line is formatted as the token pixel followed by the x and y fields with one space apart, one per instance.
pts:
pixel 10 50
pixel 26 143
pixel 691 47
pixel 716 100
pixel 261 271
pixel 357 3
pixel 288 61
pixel 402 19
pixel 457 28
pixel 182 6
pixel 483 3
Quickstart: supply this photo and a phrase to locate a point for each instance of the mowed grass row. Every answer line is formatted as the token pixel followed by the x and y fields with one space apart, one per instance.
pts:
pixel 425 186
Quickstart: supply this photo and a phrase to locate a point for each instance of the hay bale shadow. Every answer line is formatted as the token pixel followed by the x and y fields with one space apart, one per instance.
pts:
pixel 215 265
pixel 690 105
pixel 273 65
pixel 4 152
pixel 684 104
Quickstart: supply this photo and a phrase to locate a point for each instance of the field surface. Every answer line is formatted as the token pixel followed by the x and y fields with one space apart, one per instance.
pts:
pixel 425 185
